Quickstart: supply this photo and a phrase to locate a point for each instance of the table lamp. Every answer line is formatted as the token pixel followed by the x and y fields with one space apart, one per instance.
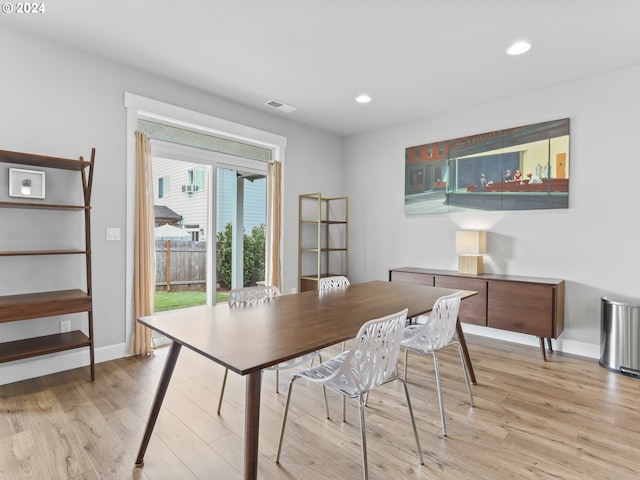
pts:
pixel 470 244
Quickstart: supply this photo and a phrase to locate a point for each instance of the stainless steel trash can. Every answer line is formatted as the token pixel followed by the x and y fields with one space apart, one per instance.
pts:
pixel 620 335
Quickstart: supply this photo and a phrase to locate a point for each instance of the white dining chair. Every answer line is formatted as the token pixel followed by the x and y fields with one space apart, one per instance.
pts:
pixel 326 284
pixel 436 333
pixel 371 362
pixel 255 296
pixel 335 281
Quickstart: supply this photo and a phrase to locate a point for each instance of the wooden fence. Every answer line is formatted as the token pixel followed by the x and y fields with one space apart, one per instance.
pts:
pixel 181 265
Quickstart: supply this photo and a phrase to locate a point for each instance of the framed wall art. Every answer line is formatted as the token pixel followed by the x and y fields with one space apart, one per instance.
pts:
pixel 26 183
pixel 521 168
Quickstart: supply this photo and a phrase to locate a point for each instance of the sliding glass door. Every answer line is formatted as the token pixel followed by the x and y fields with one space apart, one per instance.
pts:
pixel 241 223
pixel 210 210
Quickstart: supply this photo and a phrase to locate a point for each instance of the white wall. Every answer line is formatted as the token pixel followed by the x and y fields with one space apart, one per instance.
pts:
pixel 59 101
pixel 593 245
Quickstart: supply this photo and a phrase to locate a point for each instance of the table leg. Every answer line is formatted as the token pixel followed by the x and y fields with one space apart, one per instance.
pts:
pixel 169 365
pixel 252 425
pixel 465 352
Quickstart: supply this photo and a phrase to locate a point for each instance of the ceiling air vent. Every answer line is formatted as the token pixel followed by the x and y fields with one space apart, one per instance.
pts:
pixel 283 107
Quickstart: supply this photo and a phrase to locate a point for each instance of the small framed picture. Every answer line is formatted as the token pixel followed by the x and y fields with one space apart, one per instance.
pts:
pixel 26 183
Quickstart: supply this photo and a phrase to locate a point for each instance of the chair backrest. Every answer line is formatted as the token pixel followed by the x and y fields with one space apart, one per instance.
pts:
pixel 333 282
pixel 373 357
pixel 440 325
pixel 252 295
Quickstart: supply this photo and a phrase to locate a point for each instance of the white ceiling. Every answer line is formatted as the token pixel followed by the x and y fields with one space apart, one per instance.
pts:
pixel 415 58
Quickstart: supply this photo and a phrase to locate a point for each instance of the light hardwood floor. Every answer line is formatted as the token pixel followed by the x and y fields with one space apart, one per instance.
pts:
pixel 568 418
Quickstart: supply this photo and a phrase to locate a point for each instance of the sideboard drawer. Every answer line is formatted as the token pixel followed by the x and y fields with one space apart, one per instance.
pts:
pixel 521 307
pixel 408 277
pixel 473 309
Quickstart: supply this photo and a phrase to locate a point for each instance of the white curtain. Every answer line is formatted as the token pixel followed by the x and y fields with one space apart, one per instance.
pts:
pixel 273 267
pixel 144 248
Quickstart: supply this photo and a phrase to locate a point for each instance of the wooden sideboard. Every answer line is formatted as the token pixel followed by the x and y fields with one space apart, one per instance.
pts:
pixel 528 305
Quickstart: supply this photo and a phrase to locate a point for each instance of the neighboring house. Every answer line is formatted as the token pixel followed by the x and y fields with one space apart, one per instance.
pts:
pixel 164 215
pixel 181 188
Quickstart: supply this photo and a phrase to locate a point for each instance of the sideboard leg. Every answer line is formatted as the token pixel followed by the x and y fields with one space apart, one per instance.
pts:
pixel 550 348
pixel 542 349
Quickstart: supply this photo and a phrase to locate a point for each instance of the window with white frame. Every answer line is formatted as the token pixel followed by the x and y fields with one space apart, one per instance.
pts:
pixel 164 188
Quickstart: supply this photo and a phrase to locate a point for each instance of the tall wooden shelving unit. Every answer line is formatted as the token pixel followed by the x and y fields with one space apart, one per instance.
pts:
pixel 52 303
pixel 323 239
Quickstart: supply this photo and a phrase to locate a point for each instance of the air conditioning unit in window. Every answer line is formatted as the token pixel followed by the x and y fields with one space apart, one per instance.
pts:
pixel 190 188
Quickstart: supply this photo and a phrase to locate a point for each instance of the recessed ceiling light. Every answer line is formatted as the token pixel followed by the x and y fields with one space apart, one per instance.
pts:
pixel 518 48
pixel 364 98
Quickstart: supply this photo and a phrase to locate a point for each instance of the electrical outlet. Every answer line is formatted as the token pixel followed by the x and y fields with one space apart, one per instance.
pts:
pixel 65 326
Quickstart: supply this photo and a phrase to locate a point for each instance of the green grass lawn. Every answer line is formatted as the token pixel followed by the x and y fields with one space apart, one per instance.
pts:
pixel 173 300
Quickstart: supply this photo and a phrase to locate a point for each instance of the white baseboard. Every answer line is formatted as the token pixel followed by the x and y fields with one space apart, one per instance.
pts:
pixel 19 370
pixel 47 364
pixel 567 346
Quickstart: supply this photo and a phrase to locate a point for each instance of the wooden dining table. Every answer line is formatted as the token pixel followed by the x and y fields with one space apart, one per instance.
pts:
pixel 247 340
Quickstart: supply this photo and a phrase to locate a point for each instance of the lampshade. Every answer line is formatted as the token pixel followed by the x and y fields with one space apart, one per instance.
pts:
pixel 471 242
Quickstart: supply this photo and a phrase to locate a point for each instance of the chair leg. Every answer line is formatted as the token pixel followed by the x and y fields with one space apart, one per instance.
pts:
pixel 344 399
pixel 313 359
pixel 324 390
pixel 224 382
pixel 344 409
pixel 284 418
pixel 466 374
pixel 277 381
pixel 406 362
pixel 363 435
pixel 437 369
pixel 413 420
pixel 326 402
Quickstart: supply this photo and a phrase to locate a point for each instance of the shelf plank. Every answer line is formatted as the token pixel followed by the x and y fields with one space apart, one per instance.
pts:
pixel 322 275
pixel 43 206
pixel 43 304
pixel 323 250
pixel 21 253
pixel 32 347
pixel 325 222
pixel 42 160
